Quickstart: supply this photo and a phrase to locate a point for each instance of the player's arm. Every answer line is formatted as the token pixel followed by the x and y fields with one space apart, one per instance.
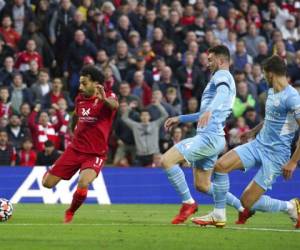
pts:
pixel 128 121
pixel 74 121
pixel 172 121
pixel 163 114
pixel 293 105
pixel 110 101
pixel 251 133
pixel 223 92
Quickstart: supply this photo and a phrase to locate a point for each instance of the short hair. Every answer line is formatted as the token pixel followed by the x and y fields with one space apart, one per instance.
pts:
pixel 220 50
pixel 93 72
pixel 275 64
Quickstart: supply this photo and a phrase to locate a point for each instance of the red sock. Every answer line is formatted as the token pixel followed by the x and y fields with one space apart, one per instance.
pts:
pixel 78 198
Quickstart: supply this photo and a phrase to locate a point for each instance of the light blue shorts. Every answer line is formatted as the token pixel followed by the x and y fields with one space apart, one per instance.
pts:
pixel 202 150
pixel 270 163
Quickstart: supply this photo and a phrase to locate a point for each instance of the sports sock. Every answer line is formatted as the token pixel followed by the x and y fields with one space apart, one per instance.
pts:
pixel 79 197
pixel 177 179
pixel 231 200
pixel 268 204
pixel 220 188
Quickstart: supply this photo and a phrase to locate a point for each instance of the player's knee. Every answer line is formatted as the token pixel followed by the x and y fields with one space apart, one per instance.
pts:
pixel 165 162
pixel 220 167
pixel 83 183
pixel 202 187
pixel 46 183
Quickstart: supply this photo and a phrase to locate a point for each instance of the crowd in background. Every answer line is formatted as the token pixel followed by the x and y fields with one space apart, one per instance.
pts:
pixel 153 54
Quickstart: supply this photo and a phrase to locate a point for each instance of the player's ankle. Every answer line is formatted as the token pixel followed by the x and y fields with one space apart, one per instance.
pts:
pixel 189 201
pixel 220 213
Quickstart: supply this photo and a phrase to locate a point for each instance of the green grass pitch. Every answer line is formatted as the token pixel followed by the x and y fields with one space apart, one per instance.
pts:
pixel 139 227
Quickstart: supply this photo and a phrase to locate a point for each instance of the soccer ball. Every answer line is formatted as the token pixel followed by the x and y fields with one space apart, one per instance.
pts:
pixel 6 210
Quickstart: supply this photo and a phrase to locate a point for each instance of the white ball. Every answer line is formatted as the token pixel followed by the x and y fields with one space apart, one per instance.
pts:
pixel 6 209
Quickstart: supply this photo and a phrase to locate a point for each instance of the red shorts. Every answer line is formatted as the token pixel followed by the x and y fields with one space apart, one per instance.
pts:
pixel 71 161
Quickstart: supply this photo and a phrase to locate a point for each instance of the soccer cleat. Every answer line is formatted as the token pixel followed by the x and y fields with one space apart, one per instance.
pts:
pixel 186 211
pixel 295 212
pixel 209 220
pixel 68 216
pixel 244 216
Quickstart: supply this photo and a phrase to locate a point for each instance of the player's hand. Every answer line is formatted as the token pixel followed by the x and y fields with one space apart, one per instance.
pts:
pixel 289 169
pixel 100 93
pixel 204 119
pixel 246 136
pixel 170 122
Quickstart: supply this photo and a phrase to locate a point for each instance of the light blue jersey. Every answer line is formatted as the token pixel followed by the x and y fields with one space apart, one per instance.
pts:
pixel 272 147
pixel 280 124
pixel 221 106
pixel 203 149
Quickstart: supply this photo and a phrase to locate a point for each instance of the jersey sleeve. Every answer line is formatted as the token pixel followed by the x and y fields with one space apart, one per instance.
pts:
pixel 293 104
pixel 220 78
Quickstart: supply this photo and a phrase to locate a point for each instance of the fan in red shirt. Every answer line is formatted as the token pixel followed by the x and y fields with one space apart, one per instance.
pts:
pixel 95 110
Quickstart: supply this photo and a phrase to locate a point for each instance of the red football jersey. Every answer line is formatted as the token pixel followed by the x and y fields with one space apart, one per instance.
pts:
pixel 93 125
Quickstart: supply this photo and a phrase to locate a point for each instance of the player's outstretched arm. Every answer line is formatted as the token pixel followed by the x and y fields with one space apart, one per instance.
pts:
pixel 289 168
pixel 251 133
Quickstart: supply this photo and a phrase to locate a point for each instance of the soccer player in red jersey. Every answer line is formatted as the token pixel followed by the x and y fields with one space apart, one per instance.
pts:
pixel 95 109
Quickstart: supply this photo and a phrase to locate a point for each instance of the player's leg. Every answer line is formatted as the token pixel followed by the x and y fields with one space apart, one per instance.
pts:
pixel 224 165
pixel 88 172
pixel 50 180
pixel 170 162
pixel 202 181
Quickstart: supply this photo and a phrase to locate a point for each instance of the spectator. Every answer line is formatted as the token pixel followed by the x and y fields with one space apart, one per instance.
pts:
pixel 25 111
pixel 280 50
pixel 252 40
pixel 243 100
pixel 221 31
pixel 124 27
pixel 158 41
pixel 16 132
pixel 5 104
pixel 30 76
pixel 275 14
pixel 24 57
pixel 230 42
pixel 5 51
pixel 134 43
pixel 7 152
pixel 263 53
pixel 241 56
pixel 294 68
pixel 170 57
pixel 27 156
pixel 188 17
pixel 289 31
pixel 42 130
pixel 251 117
pixel 42 87
pixel 20 13
pixel 146 134
pixel 173 28
pixel 141 89
pixel 236 132
pixel 48 156
pixel 55 94
pixel 109 43
pixel 176 136
pixel 7 72
pixel 78 49
pixel 140 65
pixel 125 153
pixel 19 93
pixel 147 52
pixel 173 100
pixel 10 35
pixel 190 78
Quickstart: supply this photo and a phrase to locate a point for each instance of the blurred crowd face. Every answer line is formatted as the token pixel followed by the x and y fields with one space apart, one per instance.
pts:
pixel 62 104
pixel 18 80
pixel 242 89
pixel 262 48
pixel 66 4
pixel 6 22
pixel 150 16
pixel 145 117
pixel 164 12
pixel 78 17
pixel 166 73
pixel 25 109
pixel 138 78
pixel 158 34
pixel 190 60
pixel 177 134
pixel 174 17
pixel 79 37
pixel 43 77
pixel 27 145
pixel 33 66
pixel 122 49
pixel 19 2
pixel 44 119
pixel 15 121
pixel 3 138
pixel 124 89
pixel 9 63
pixel 124 22
pixel 102 56
pixel 4 94
pixel 31 46
pixel 192 105
pixel 57 84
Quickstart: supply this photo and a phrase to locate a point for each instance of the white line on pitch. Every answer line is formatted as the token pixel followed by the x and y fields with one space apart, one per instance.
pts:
pixel 151 225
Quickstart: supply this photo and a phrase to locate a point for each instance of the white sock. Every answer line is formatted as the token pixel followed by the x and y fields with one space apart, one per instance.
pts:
pixel 241 209
pixel 189 201
pixel 220 213
pixel 289 205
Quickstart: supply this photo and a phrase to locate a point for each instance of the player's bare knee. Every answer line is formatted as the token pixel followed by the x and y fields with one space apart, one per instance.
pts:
pixel 202 187
pixel 166 163
pixel 46 183
pixel 220 167
pixel 83 183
